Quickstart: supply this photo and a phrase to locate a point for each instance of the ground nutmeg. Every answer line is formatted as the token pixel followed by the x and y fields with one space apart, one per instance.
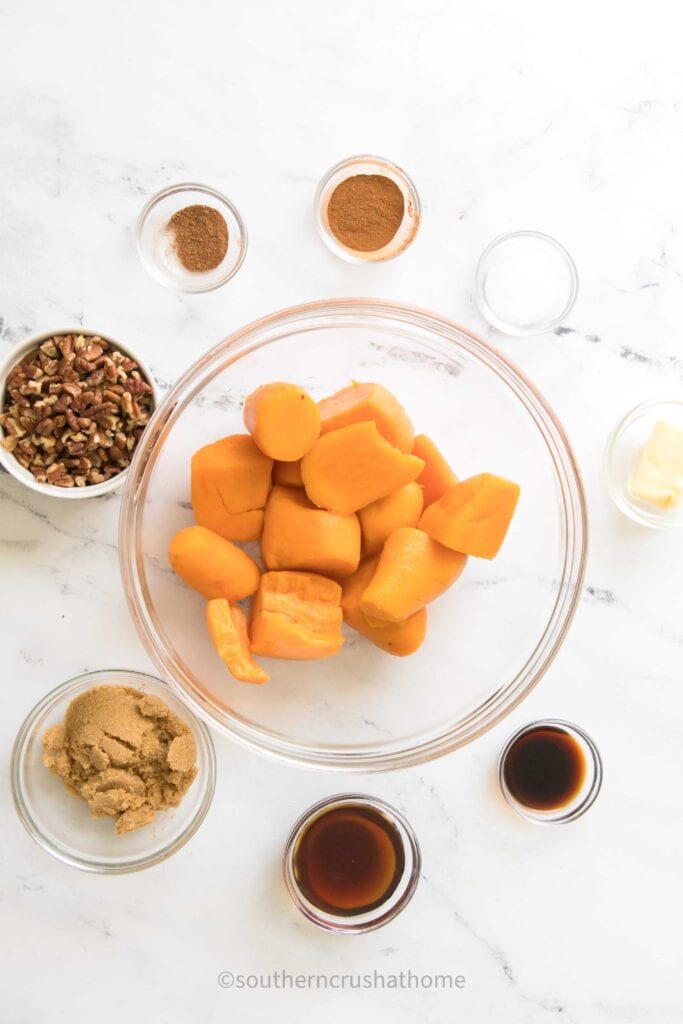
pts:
pixel 200 237
pixel 365 211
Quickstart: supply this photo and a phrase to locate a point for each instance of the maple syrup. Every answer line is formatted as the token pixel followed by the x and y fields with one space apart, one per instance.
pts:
pixel 349 859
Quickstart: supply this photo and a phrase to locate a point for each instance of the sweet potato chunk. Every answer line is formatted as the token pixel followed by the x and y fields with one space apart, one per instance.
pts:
pixel 361 402
pixel 296 615
pixel 297 535
pixel 382 517
pixel 474 515
pixel 398 638
pixel 212 565
pixel 437 476
pixel 412 570
pixel 288 474
pixel 228 631
pixel 230 484
pixel 283 419
pixel 348 468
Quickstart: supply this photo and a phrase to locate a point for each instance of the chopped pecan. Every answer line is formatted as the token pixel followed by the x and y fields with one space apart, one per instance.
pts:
pixel 71 396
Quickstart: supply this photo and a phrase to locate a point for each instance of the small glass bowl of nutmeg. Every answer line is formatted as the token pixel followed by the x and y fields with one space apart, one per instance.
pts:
pixel 73 406
pixel 191 237
pixel 367 209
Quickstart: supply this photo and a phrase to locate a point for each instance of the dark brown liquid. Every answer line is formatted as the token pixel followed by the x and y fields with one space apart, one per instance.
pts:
pixel 349 860
pixel 545 768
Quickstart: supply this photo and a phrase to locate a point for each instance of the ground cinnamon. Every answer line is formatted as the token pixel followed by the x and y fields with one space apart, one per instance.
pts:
pixel 365 211
pixel 200 237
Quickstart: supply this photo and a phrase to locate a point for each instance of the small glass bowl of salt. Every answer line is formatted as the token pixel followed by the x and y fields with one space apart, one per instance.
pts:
pixel 526 283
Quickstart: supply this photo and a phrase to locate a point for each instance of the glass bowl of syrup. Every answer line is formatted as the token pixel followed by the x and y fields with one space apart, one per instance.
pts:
pixel 550 772
pixel 351 863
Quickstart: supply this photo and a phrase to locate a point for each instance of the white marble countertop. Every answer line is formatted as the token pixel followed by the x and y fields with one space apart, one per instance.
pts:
pixel 506 116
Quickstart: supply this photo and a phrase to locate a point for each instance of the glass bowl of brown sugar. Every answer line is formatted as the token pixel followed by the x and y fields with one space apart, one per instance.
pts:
pixel 367 210
pixel 191 238
pixel 64 825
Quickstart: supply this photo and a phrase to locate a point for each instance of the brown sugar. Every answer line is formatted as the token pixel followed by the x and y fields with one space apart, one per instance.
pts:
pixel 200 237
pixel 365 211
pixel 124 752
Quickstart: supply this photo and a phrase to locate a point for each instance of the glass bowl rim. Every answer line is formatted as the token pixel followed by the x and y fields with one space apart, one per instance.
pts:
pixel 487 311
pixel 184 186
pixel 138 863
pixel 572 502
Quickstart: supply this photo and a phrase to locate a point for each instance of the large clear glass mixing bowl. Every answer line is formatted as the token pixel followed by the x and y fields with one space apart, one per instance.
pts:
pixel 489 639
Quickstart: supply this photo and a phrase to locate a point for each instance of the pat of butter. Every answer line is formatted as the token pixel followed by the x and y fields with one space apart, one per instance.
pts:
pixel 659 474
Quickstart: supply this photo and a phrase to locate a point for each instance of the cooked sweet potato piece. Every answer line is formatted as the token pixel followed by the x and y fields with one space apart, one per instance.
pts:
pixel 382 517
pixel 212 565
pixel 360 402
pixel 412 570
pixel 288 474
pixel 474 515
pixel 230 484
pixel 297 535
pixel 228 631
pixel 283 419
pixel 398 638
pixel 348 468
pixel 296 615
pixel 437 476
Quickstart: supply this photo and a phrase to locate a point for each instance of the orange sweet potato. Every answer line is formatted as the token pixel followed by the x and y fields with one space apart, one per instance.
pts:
pixel 412 570
pixel 288 474
pixel 296 615
pixel 437 476
pixel 474 515
pixel 399 638
pixel 360 402
pixel 283 419
pixel 228 631
pixel 297 535
pixel 212 565
pixel 382 517
pixel 230 484
pixel 347 469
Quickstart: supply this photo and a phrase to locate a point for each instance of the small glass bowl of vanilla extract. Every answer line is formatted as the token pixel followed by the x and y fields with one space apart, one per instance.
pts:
pixel 550 772
pixel 351 863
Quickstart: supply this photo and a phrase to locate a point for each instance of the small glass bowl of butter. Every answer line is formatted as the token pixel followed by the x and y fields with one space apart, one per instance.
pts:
pixel 644 463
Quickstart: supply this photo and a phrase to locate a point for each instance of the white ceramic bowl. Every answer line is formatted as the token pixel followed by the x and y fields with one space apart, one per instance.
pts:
pixel 7 459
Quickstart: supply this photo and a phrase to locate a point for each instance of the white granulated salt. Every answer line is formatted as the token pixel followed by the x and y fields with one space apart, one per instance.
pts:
pixel 526 283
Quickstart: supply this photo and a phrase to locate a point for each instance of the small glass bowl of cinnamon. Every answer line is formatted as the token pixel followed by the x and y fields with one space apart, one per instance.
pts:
pixel 367 210
pixel 191 238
